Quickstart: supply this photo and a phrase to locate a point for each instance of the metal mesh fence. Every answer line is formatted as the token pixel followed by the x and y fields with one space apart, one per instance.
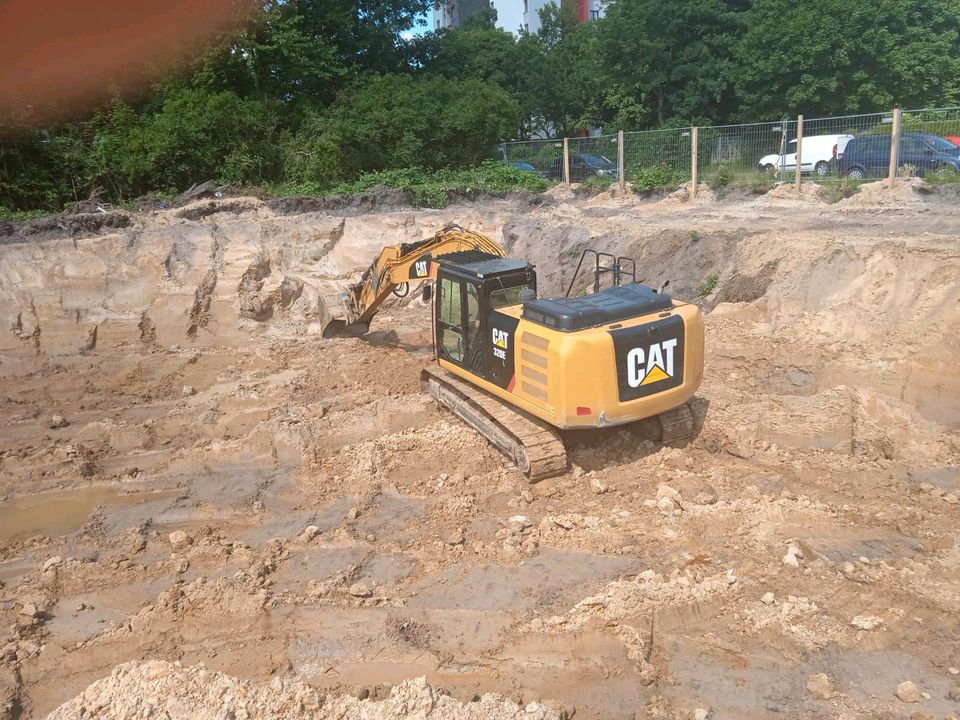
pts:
pixel 826 142
pixel 657 156
pixel 929 144
pixel 855 147
pixel 593 156
pixel 545 157
pixel 751 153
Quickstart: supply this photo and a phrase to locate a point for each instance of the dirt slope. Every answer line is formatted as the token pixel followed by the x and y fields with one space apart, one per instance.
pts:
pixel 190 473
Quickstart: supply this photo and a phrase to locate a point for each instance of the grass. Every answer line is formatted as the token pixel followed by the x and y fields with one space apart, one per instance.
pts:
pixel 942 176
pixel 707 285
pixel 725 176
pixel 431 188
pixel 601 182
pixel 18 215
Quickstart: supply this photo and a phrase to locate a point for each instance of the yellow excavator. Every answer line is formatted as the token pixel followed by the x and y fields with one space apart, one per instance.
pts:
pixel 519 368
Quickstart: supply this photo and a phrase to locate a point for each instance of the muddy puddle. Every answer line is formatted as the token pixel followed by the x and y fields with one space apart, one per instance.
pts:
pixel 63 511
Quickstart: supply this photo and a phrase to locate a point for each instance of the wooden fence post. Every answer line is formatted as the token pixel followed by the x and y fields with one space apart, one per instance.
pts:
pixel 694 152
pixel 621 178
pixel 799 150
pixel 566 162
pixel 894 146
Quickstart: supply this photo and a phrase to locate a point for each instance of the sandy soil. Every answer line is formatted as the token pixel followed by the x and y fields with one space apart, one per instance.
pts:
pixel 209 511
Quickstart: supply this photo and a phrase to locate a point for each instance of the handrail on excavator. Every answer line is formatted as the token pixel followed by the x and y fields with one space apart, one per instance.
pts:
pixel 396 266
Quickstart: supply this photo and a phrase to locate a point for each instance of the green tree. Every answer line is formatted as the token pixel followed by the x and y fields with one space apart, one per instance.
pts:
pixel 396 121
pixel 834 56
pixel 664 59
pixel 569 82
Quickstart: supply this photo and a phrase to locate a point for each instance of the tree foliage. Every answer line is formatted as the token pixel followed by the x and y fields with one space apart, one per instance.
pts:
pixel 323 92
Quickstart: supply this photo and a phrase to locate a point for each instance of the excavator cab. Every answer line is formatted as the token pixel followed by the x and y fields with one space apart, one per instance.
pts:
pixel 470 330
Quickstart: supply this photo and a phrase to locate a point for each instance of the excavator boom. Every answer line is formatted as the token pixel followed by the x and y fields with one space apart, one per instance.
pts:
pixel 395 267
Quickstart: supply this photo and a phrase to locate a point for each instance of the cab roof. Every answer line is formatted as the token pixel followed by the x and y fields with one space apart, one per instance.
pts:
pixel 480 264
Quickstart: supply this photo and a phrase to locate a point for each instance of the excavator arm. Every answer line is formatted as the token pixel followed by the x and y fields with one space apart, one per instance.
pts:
pixel 394 268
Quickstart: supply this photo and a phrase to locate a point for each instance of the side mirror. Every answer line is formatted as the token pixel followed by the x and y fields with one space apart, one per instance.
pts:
pixel 426 292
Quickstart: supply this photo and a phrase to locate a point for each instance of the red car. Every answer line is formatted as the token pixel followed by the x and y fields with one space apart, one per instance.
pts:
pixel 955 139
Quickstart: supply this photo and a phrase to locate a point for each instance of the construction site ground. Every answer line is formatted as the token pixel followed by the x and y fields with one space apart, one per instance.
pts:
pixel 208 510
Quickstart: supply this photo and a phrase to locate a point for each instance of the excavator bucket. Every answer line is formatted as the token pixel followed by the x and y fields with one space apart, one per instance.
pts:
pixel 342 329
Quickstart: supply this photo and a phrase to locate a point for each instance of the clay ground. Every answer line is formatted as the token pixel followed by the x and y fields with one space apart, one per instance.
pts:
pixel 811 526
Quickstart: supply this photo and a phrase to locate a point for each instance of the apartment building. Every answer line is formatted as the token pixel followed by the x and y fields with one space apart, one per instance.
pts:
pixel 512 15
pixel 452 14
pixel 585 9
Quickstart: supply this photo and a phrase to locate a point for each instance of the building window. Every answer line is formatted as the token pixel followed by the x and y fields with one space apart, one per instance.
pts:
pixel 594 14
pixel 526 9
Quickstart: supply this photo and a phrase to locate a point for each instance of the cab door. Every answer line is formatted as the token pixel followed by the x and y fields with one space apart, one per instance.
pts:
pixel 459 330
pixel 451 345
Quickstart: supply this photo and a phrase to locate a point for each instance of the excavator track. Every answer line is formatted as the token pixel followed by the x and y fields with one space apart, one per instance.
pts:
pixel 676 425
pixel 533 445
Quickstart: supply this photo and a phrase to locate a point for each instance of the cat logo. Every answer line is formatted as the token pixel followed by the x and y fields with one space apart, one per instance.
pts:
pixel 650 365
pixel 501 340
pixel 421 268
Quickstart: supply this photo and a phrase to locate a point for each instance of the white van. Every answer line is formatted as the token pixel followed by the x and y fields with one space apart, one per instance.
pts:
pixel 819 153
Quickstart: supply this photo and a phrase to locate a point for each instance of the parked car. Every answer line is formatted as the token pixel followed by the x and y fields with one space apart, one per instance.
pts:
pixel 582 167
pixel 819 152
pixel 869 155
pixel 526 167
pixel 955 139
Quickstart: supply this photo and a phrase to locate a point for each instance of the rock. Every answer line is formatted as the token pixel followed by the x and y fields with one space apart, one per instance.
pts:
pixel 309 533
pixel 666 504
pixel 30 610
pixel 768 598
pixel 179 539
pixel 707 496
pixel 954 694
pixel 353 513
pixel 53 562
pixel 189 390
pixel 455 538
pixel 908 692
pixel 139 544
pixel 181 566
pixel 821 687
pixel 793 556
pixel 597 486
pixel 57 422
pixel 953 670
pixel 519 523
pixel 360 590
pixel 665 491
pixel 527 496
pixel 951 498
pixel 702 714
pixel 866 622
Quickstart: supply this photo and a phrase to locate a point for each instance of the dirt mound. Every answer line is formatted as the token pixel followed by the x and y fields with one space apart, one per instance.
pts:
pixel 905 191
pixel 781 193
pixel 158 690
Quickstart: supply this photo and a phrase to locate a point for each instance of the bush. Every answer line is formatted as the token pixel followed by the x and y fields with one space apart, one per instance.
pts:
pixel 652 178
pixel 434 188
